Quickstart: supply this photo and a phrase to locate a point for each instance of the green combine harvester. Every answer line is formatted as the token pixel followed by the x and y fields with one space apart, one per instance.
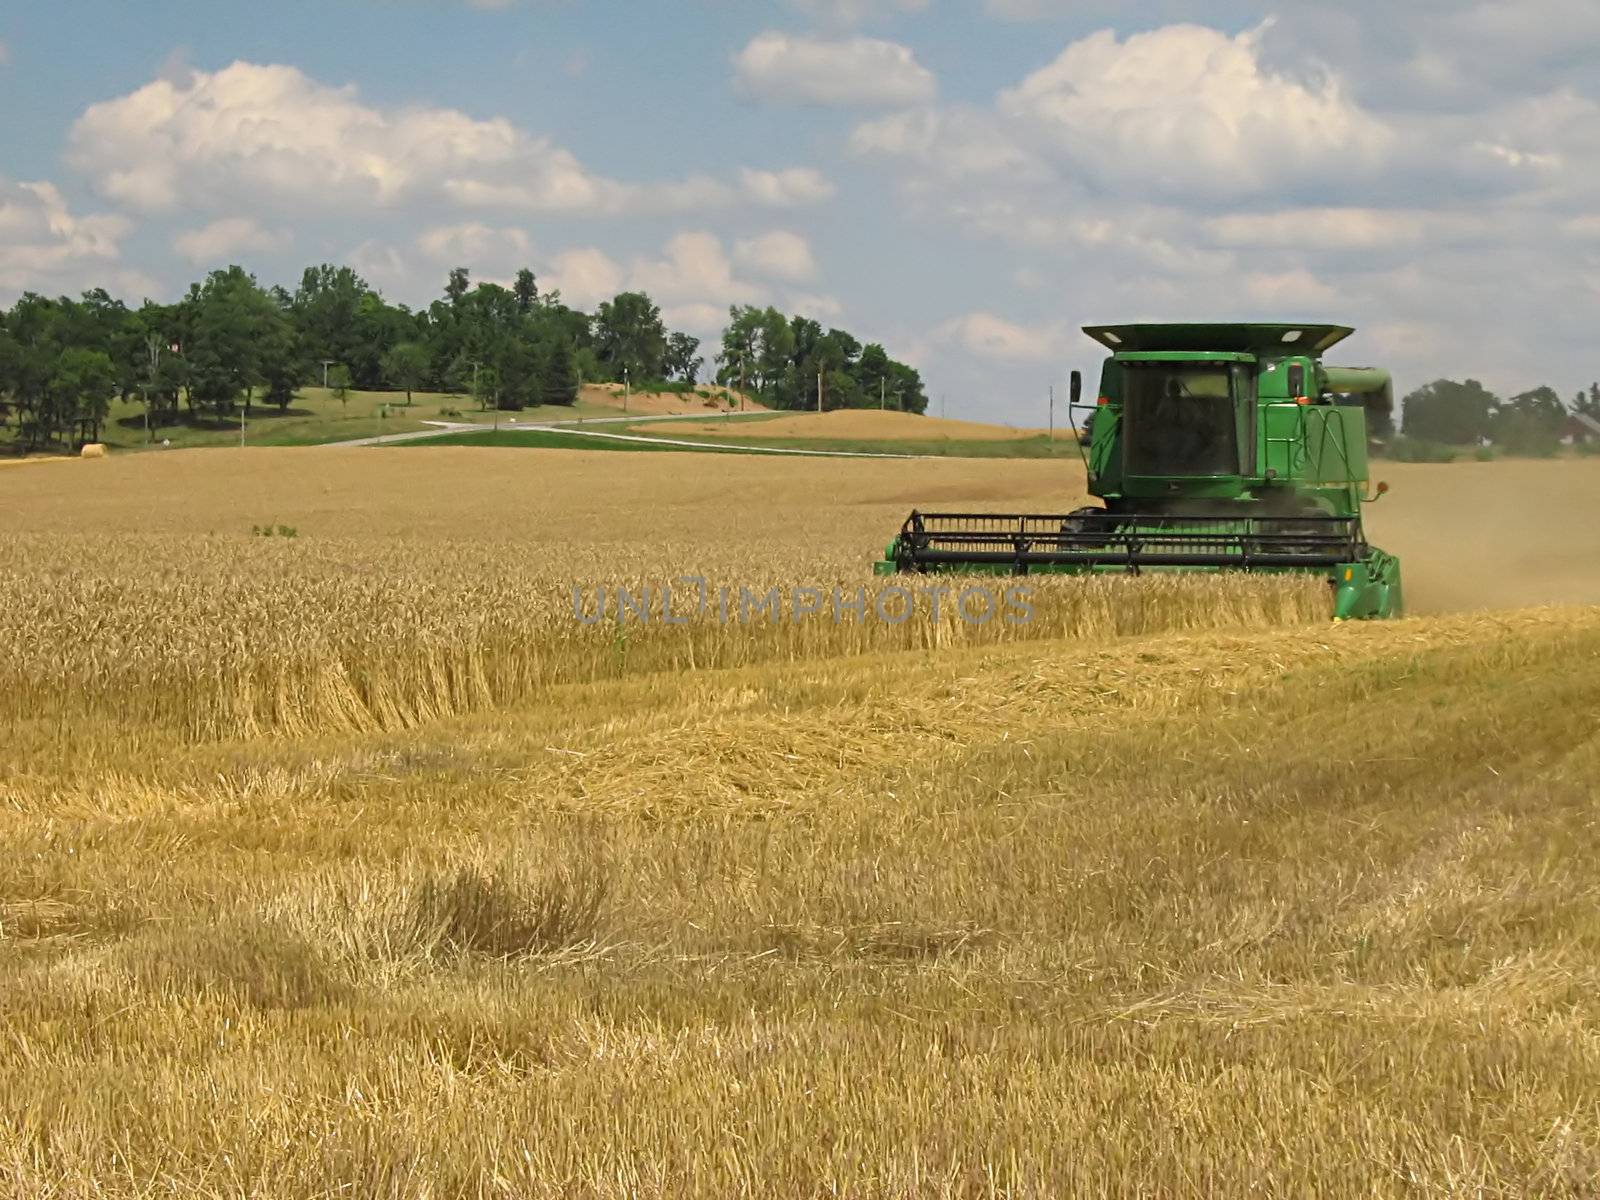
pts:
pixel 1214 448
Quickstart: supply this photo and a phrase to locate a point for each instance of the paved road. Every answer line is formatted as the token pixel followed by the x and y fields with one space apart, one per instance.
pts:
pixel 583 428
pixel 439 428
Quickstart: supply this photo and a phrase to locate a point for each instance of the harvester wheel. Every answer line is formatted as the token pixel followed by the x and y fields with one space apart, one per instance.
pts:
pixel 1083 521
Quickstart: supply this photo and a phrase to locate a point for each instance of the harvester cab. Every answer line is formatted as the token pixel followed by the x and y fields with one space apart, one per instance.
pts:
pixel 1212 448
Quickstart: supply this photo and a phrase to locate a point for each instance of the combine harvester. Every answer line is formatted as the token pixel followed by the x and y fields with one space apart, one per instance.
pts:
pixel 1214 448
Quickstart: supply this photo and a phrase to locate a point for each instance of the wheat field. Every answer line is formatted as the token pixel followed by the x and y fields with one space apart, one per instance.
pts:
pixel 352 864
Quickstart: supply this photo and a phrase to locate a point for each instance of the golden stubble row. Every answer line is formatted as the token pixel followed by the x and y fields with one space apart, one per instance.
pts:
pixel 242 636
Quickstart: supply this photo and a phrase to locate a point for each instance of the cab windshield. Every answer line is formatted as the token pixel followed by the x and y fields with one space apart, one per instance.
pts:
pixel 1178 420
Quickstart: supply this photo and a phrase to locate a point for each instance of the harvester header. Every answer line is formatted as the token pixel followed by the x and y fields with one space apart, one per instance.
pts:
pixel 1214 447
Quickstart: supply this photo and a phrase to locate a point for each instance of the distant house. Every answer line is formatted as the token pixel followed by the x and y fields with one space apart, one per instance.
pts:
pixel 1581 428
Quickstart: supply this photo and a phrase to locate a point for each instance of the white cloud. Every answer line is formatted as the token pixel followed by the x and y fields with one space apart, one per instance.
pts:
pixel 210 245
pixel 778 255
pixel 815 306
pixel 253 138
pixel 1292 292
pixel 992 337
pixel 789 188
pixel 379 264
pixel 44 246
pixel 783 68
pixel 475 246
pixel 1186 110
pixel 705 320
pixel 694 267
pixel 694 279
pixel 953 143
pixel 273 132
pixel 854 12
pixel 585 277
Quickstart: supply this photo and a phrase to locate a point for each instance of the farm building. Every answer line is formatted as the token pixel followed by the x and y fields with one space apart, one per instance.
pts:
pixel 1581 428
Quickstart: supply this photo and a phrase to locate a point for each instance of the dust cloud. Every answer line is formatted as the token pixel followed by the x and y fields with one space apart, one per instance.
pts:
pixel 1492 535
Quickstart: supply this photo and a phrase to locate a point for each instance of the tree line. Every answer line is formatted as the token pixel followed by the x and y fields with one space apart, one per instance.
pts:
pixel 1450 413
pixel 792 363
pixel 230 344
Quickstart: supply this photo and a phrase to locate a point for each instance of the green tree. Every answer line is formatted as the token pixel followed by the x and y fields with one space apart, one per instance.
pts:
pixel 872 372
pixel 906 383
pixel 326 310
pixel 1455 414
pixel 457 286
pixel 561 376
pixel 683 359
pixel 162 372
pixel 1530 423
pixel 526 290
pixel 519 370
pixel 339 382
pixel 35 330
pixel 486 386
pixel 235 342
pixel 82 384
pixel 630 338
pixel 1588 403
pixel 406 366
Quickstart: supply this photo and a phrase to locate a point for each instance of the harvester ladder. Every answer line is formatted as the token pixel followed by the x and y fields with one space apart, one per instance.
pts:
pixel 1297 450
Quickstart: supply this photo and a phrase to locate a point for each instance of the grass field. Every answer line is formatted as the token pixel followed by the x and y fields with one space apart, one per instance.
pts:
pixel 317 416
pixel 352 864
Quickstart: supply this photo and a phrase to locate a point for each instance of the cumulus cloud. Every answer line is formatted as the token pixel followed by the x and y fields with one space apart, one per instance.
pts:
pixel 272 132
pixel 585 277
pixel 216 242
pixel 694 266
pixel 695 279
pixel 789 188
pixel 254 136
pixel 992 337
pixel 475 245
pixel 1187 109
pixel 854 12
pixel 954 143
pixel 860 72
pixel 816 306
pixel 44 246
pixel 379 263
pixel 778 255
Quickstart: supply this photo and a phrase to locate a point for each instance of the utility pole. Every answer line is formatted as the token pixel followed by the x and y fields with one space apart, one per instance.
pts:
pixel 741 380
pixel 1052 412
pixel 241 426
pixel 819 391
pixel 627 389
pixel 881 388
pixel 326 363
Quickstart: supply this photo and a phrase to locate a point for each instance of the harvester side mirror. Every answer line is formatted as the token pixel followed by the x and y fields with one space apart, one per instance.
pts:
pixel 1297 381
pixel 1077 388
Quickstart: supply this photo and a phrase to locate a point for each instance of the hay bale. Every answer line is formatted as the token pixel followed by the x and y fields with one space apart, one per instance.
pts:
pixel 93 450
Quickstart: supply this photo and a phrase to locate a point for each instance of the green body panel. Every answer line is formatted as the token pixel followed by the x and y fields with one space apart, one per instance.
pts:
pixel 1231 421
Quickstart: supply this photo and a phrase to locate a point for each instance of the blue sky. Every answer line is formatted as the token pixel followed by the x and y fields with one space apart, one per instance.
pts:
pixel 966 180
